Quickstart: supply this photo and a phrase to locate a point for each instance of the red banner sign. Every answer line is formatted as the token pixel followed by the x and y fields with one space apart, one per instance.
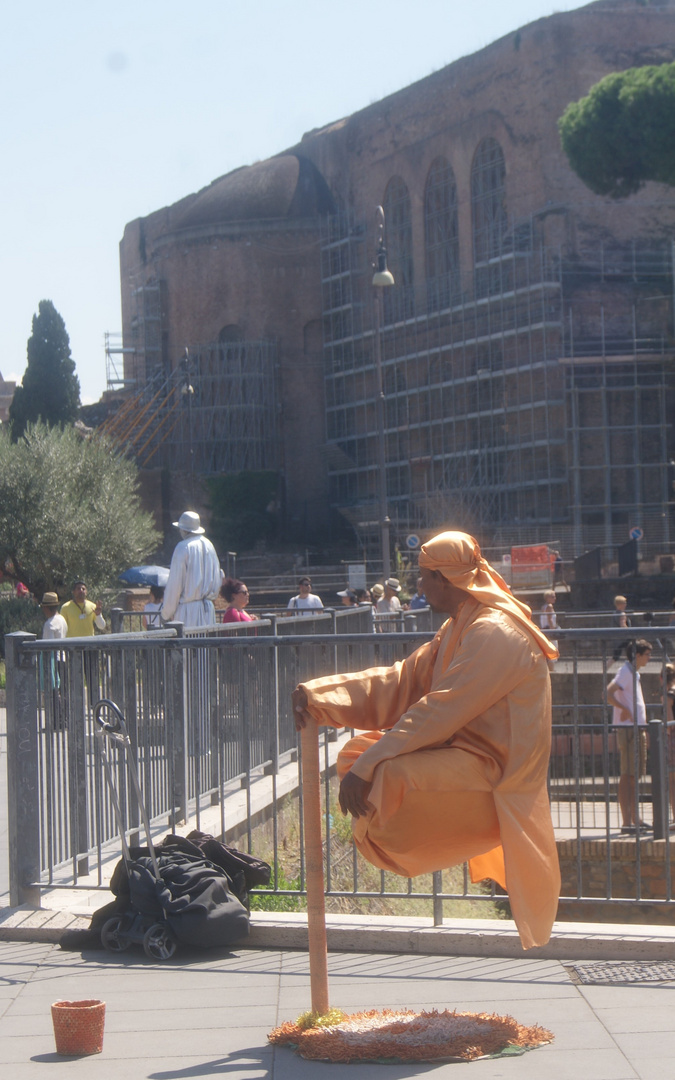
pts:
pixel 532 565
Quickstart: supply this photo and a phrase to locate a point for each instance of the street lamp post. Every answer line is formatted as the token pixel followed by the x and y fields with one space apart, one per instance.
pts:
pixel 188 390
pixel 382 279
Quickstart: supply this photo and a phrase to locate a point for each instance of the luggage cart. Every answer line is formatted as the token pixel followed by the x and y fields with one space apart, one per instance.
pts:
pixel 133 926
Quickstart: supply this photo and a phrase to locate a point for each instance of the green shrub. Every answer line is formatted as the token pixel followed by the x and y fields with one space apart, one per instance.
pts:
pixel 276 902
pixel 16 614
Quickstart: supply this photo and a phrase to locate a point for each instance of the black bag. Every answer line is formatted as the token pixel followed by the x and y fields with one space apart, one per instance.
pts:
pixel 203 888
pixel 194 894
pixel 244 870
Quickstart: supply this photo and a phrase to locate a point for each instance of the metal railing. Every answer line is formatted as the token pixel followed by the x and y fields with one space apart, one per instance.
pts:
pixel 352 620
pixel 216 749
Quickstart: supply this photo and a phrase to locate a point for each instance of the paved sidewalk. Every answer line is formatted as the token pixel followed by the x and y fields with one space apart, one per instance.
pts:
pixel 4 845
pixel 206 1015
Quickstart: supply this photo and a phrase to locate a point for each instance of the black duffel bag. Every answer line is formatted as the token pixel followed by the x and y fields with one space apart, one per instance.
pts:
pixel 244 871
pixel 193 894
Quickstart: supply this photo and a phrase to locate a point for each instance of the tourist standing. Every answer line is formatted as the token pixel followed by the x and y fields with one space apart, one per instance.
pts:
pixel 82 616
pixel 195 576
pixel 54 628
pixel 389 604
pixel 306 601
pixel 629 718
pixel 152 618
pixel 622 619
pixel 419 600
pixel 237 596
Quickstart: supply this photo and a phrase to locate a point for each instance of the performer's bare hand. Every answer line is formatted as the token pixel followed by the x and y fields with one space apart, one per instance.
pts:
pixel 300 712
pixel 354 795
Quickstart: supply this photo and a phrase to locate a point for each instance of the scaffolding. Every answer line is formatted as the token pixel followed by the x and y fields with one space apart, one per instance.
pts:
pixel 141 357
pixel 115 354
pixel 216 412
pixel 509 390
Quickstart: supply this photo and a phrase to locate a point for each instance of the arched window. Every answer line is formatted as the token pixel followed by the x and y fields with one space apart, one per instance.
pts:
pixel 231 348
pixel 398 240
pixel 488 199
pixel 229 340
pixel 231 332
pixel 441 234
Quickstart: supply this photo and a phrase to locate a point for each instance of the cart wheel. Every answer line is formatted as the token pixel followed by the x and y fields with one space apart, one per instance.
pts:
pixel 159 943
pixel 111 937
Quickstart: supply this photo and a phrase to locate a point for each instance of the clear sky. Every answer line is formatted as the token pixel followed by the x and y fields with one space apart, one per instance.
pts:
pixel 112 110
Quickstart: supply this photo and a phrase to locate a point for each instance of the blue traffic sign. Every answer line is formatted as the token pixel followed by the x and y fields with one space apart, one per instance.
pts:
pixel 412 541
pixel 636 533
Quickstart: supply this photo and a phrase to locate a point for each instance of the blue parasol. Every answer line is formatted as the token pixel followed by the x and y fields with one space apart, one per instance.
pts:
pixel 145 575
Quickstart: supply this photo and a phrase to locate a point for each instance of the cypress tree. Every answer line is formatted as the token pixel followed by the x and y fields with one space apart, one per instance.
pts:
pixel 50 390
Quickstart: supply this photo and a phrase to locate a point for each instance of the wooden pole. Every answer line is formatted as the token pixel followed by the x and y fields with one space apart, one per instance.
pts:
pixel 316 906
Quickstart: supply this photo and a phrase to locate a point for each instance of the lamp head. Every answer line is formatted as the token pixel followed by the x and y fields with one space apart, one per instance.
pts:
pixel 382 277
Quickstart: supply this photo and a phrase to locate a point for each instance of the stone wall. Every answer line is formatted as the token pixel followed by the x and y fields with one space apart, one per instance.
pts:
pixel 623 879
pixel 514 90
pixel 245 252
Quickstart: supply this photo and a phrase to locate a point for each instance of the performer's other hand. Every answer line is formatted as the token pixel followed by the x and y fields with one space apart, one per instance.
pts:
pixel 300 713
pixel 354 795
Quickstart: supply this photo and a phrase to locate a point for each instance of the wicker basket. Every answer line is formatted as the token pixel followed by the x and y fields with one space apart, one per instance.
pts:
pixel 78 1026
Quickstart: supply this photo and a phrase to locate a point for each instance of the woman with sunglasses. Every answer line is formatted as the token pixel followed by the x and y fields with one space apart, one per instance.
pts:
pixel 236 595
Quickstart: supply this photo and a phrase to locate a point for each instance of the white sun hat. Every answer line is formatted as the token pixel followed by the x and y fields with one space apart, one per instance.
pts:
pixel 189 522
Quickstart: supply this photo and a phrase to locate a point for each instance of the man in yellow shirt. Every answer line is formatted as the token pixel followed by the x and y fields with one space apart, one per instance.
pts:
pixel 82 615
pixel 451 761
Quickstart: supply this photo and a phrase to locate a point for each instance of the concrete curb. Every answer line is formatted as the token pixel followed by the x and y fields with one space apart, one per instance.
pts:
pixel 357 933
pixel 465 937
pixel 40 925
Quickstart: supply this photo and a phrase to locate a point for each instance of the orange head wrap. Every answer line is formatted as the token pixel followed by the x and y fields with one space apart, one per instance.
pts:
pixel 456 556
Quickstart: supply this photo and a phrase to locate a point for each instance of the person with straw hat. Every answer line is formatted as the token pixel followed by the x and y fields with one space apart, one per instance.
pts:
pixel 452 761
pixel 54 628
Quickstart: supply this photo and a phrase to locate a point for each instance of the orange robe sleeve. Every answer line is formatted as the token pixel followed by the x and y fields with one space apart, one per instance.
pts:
pixel 375 699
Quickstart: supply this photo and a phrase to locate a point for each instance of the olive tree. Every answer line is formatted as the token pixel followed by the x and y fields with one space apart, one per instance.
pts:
pixel 69 507
pixel 623 132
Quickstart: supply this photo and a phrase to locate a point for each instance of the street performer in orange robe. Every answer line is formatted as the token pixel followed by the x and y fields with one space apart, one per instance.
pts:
pixel 451 764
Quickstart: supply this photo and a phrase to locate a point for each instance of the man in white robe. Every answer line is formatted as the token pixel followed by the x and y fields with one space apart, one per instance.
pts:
pixel 195 576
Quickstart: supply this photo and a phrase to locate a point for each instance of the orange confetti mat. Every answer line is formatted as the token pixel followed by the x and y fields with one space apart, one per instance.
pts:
pixel 403 1035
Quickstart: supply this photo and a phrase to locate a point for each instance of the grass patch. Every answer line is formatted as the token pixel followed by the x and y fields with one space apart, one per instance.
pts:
pixel 344 867
pixel 277 901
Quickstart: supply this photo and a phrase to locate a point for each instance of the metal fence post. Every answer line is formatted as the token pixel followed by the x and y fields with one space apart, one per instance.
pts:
pixel 130 710
pixel 212 706
pixel 81 672
pixel 437 879
pixel 116 620
pixel 23 781
pixel 659 778
pixel 176 733
pixel 275 727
